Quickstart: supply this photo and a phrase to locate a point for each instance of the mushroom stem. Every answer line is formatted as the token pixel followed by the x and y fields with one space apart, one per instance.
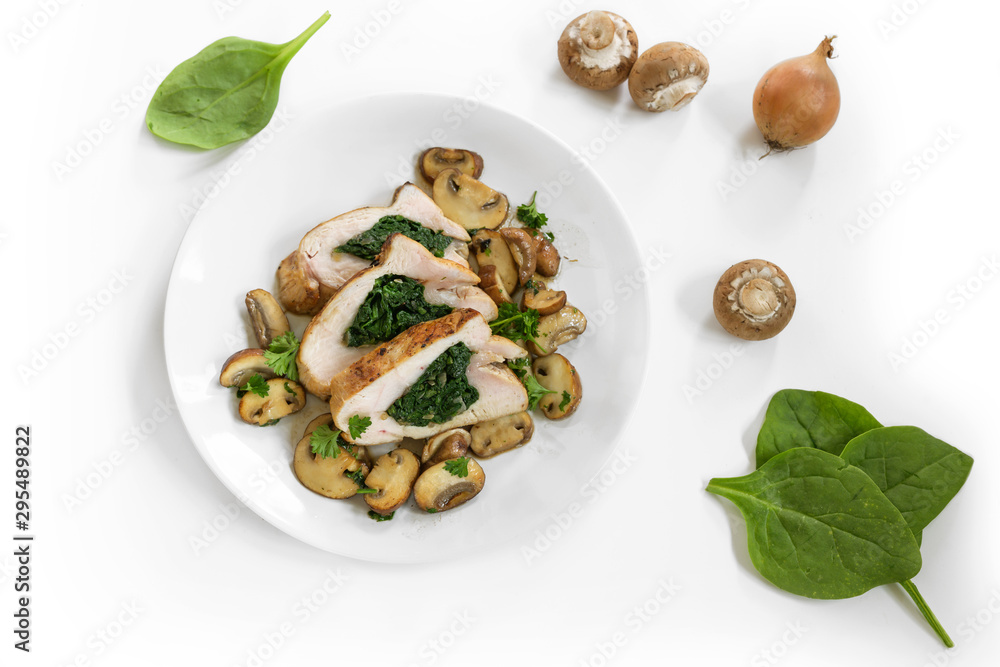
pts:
pixel 676 95
pixel 597 30
pixel 759 299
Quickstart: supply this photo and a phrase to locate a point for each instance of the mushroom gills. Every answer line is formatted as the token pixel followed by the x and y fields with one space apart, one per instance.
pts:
pixel 435 160
pixel 469 202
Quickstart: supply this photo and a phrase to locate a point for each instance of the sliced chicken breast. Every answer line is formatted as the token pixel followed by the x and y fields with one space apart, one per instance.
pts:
pixel 324 351
pixel 369 386
pixel 309 276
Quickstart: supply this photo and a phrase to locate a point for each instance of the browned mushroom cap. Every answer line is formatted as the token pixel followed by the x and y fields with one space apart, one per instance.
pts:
pixel 269 321
pixel 489 282
pixel 558 328
pixel 545 301
pixel 547 263
pixel 393 477
pixel 522 247
pixel 597 50
pixel 667 76
pixel 469 202
pixel 242 366
pixel 754 300
pixel 503 434
pixel 283 398
pixel 490 249
pixel 327 476
pixel 325 419
pixel 444 446
pixel 554 372
pixel 435 160
pixel 437 490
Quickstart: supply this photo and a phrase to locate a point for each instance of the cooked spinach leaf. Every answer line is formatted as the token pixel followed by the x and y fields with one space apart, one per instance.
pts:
pixel 441 392
pixel 367 245
pixel 394 305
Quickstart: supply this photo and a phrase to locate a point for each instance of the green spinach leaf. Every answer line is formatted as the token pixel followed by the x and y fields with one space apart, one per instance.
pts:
pixel 368 244
pixel 819 527
pixel 441 392
pixel 394 305
pixel 797 418
pixel 225 93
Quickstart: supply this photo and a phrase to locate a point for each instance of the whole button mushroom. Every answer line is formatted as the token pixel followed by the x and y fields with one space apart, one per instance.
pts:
pixel 667 76
pixel 754 300
pixel 597 50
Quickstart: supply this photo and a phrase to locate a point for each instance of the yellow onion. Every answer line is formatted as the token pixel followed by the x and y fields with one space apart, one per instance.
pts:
pixel 797 101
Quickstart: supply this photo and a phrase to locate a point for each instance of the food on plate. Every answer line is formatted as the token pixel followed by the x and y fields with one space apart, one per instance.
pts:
pixel 797 101
pixel 556 374
pixel 242 365
pixel 490 282
pixel 405 285
pixel 547 258
pixel 446 485
pixel 392 478
pixel 537 296
pixel 667 76
pixel 451 444
pixel 335 473
pixel 266 402
pixel 326 258
pixel 557 329
pixel 490 249
pixel 435 376
pixel 469 202
pixel 524 251
pixel 496 436
pixel 754 300
pixel 266 317
pixel 227 92
pixel 838 503
pixel 435 160
pixel 598 49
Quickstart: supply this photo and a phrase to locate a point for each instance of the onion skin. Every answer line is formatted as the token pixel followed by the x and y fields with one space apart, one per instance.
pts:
pixel 798 100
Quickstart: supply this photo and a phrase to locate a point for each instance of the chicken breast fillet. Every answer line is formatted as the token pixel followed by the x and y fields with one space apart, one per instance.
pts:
pixel 309 276
pixel 369 386
pixel 324 351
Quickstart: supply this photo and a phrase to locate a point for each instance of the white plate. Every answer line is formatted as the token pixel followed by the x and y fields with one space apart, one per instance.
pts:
pixel 355 154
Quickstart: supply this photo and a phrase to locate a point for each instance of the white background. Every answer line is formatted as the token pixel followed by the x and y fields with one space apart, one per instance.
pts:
pixel 78 76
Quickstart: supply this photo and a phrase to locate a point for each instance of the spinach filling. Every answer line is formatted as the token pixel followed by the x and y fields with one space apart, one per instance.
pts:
pixel 442 392
pixel 394 305
pixel 367 245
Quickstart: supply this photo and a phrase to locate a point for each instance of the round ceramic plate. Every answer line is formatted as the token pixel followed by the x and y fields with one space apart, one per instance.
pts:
pixel 316 166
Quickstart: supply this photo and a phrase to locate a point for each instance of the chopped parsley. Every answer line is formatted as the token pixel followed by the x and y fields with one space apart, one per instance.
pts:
pixel 394 304
pixel 516 325
pixel 531 384
pixel 358 477
pixel 368 244
pixel 280 355
pixel 372 514
pixel 358 425
pixel 566 398
pixel 458 467
pixel 326 442
pixel 532 218
pixel 257 384
pixel 441 392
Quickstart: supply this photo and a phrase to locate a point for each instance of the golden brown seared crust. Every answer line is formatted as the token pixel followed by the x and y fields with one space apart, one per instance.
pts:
pixel 297 291
pixel 390 354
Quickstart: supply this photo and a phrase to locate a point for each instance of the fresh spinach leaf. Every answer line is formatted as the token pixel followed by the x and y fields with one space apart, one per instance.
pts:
pixel 394 304
pixel 225 93
pixel 797 418
pixel 441 392
pixel 368 244
pixel 819 527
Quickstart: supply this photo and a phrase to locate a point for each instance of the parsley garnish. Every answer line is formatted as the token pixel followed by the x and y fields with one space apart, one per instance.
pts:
pixel 529 215
pixel 372 514
pixel 565 401
pixel 280 355
pixel 531 384
pixel 257 384
pixel 289 389
pixel 431 510
pixel 516 325
pixel 358 476
pixel 358 425
pixel 458 467
pixel 325 442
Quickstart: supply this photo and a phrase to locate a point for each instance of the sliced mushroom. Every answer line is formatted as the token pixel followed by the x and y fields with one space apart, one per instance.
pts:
pixel 553 371
pixel 500 435
pixel 393 476
pixel 242 366
pixel 522 246
pixel 469 202
pixel 325 419
pixel 269 321
pixel 491 250
pixel 327 476
pixel 547 257
pixel 545 301
pixel 754 300
pixel 558 328
pixel 284 397
pixel 489 282
pixel 667 76
pixel 447 445
pixel 437 490
pixel 435 160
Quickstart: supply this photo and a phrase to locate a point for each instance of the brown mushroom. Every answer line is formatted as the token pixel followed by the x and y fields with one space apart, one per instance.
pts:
pixel 503 434
pixel 328 476
pixel 469 202
pixel 545 301
pixel 435 160
pixel 325 419
pixel 522 246
pixel 243 365
pixel 667 76
pixel 438 490
pixel 554 372
pixel 558 328
pixel 489 282
pixel 283 398
pixel 754 300
pixel 269 321
pixel 446 445
pixel 491 250
pixel 547 257
pixel 393 477
pixel 597 50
